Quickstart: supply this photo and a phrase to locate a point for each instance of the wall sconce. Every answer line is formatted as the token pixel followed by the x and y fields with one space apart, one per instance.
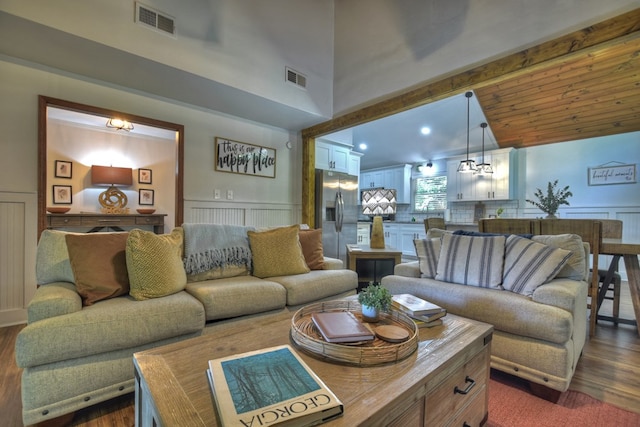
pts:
pixel 119 124
pixel 378 201
pixel 113 201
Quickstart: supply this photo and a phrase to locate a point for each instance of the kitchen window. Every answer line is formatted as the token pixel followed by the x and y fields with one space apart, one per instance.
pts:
pixel 430 193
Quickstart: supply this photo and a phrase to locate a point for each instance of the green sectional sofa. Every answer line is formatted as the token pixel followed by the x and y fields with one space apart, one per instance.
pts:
pixel 103 296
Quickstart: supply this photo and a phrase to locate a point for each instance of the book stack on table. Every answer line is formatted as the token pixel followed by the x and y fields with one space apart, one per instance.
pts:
pixel 426 314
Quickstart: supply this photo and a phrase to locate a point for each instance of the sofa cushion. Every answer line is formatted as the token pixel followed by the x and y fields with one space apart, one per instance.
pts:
pixel 99 265
pixel 311 242
pixel 108 325
pixel 52 258
pixel 237 296
pixel 277 252
pixel 577 264
pixel 316 285
pixel 529 264
pixel 470 260
pixel 428 252
pixel 155 264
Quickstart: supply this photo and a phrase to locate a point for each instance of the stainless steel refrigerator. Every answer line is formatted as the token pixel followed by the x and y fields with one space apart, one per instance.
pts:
pixel 336 211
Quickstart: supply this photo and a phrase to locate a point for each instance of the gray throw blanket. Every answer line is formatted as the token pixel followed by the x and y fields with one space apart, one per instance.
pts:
pixel 210 246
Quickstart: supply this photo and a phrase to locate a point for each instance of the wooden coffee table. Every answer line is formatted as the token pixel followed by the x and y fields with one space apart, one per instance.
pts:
pixel 172 387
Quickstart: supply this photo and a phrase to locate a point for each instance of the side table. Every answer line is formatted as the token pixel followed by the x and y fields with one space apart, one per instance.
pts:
pixel 98 221
pixel 367 256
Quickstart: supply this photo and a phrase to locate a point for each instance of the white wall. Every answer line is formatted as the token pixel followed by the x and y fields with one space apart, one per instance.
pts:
pixel 382 47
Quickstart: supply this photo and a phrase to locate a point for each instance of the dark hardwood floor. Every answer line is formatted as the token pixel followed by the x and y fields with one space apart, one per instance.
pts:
pixel 608 370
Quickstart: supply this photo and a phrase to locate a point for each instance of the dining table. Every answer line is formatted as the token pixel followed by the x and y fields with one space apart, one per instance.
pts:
pixel 628 250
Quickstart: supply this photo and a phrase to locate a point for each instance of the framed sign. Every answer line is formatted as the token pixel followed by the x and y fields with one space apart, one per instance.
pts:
pixel 612 174
pixel 240 157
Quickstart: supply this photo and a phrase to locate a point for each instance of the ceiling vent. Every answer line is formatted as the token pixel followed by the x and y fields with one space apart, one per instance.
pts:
pixel 296 78
pixel 154 19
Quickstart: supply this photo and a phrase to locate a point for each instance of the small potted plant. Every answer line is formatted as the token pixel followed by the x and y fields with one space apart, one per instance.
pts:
pixel 550 203
pixel 374 299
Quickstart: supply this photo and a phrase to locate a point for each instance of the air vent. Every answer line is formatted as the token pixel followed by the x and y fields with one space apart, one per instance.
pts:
pixel 296 78
pixel 154 19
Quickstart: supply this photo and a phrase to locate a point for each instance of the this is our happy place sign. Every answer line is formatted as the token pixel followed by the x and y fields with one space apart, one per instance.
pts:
pixel 240 157
pixel 612 174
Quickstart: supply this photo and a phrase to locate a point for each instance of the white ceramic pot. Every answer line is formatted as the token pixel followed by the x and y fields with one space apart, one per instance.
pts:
pixel 370 314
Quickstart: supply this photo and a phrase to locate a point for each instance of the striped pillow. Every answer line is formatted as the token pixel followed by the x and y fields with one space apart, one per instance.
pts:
pixel 529 264
pixel 471 260
pixel 428 252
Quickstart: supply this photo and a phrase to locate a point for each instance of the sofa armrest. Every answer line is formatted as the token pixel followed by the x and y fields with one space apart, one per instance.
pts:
pixel 564 293
pixel 407 269
pixel 333 264
pixel 53 299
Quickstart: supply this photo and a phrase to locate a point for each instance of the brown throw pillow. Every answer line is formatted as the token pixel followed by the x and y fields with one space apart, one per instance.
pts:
pixel 311 242
pixel 99 265
pixel 277 252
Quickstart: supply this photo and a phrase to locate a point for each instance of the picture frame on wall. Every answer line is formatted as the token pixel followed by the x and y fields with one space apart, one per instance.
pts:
pixel 144 176
pixel 62 194
pixel 145 197
pixel 63 169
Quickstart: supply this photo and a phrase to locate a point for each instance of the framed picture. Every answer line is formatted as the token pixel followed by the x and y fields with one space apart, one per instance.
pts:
pixel 62 194
pixel 248 159
pixel 144 176
pixel 146 197
pixel 63 169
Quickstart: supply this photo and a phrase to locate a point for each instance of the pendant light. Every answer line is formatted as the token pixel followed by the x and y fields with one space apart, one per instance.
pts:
pixel 467 165
pixel 484 168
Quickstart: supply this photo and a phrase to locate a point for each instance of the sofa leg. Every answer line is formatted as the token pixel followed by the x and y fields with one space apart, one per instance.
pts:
pixel 544 392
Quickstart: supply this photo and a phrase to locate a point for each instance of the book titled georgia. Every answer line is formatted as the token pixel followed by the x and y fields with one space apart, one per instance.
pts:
pixel 270 387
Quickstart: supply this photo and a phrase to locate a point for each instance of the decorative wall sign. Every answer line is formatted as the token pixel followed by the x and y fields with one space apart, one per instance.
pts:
pixel 63 169
pixel 608 174
pixel 240 157
pixel 62 194
pixel 144 176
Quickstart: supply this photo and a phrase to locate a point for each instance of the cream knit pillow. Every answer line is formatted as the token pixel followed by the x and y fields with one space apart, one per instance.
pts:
pixel 154 262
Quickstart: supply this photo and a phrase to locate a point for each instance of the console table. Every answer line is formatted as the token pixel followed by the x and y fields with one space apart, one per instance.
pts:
pixel 98 221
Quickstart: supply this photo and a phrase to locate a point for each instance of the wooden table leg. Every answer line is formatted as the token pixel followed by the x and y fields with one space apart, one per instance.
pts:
pixel 633 276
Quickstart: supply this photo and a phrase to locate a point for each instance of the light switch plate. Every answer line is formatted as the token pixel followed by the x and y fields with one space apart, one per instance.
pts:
pixel 216 193
pixel 230 194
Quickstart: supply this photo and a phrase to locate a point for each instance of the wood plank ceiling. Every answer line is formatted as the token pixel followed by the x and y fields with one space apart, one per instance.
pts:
pixel 590 95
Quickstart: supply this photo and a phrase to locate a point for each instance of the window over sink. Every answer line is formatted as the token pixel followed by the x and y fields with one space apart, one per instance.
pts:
pixel 430 193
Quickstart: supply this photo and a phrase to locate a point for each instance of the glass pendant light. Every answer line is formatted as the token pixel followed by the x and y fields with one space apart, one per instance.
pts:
pixel 467 165
pixel 484 168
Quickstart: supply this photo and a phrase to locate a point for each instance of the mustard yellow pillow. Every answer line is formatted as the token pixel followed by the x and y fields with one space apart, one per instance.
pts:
pixel 154 262
pixel 277 252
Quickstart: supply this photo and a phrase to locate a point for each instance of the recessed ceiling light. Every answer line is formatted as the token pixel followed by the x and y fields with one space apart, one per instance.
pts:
pixel 425 130
pixel 362 146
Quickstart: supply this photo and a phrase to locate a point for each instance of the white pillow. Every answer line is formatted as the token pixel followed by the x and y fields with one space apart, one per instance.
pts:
pixel 529 264
pixel 471 260
pixel 428 252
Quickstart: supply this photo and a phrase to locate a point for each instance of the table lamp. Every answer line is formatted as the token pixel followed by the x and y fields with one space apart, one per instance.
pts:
pixel 376 202
pixel 113 201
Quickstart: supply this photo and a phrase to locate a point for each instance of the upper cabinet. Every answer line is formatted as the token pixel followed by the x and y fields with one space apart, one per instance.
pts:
pixel 397 177
pixel 499 185
pixel 336 157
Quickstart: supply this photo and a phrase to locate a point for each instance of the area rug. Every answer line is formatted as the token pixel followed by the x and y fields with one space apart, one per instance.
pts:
pixel 512 405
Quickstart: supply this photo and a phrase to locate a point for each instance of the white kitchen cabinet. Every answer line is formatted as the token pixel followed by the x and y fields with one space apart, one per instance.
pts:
pixel 332 157
pixel 364 233
pixel 397 177
pixel 354 163
pixel 472 187
pixel 409 233
pixel 391 233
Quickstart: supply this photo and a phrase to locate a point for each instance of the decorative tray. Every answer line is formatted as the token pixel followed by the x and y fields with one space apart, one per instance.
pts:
pixel 305 335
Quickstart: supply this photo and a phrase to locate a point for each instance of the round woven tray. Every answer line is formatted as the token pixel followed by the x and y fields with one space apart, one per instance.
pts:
pixel 305 335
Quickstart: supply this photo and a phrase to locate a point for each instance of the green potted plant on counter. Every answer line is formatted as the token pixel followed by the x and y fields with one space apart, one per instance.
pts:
pixel 374 299
pixel 550 203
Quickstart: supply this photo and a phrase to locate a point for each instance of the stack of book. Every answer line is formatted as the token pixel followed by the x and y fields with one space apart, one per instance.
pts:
pixel 426 314
pixel 270 387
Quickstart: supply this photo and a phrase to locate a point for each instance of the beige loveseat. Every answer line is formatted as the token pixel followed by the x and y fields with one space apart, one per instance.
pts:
pixel 104 296
pixel 537 307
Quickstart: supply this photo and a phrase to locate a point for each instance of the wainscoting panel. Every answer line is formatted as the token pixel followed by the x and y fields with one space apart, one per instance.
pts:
pixel 18 236
pixel 257 215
